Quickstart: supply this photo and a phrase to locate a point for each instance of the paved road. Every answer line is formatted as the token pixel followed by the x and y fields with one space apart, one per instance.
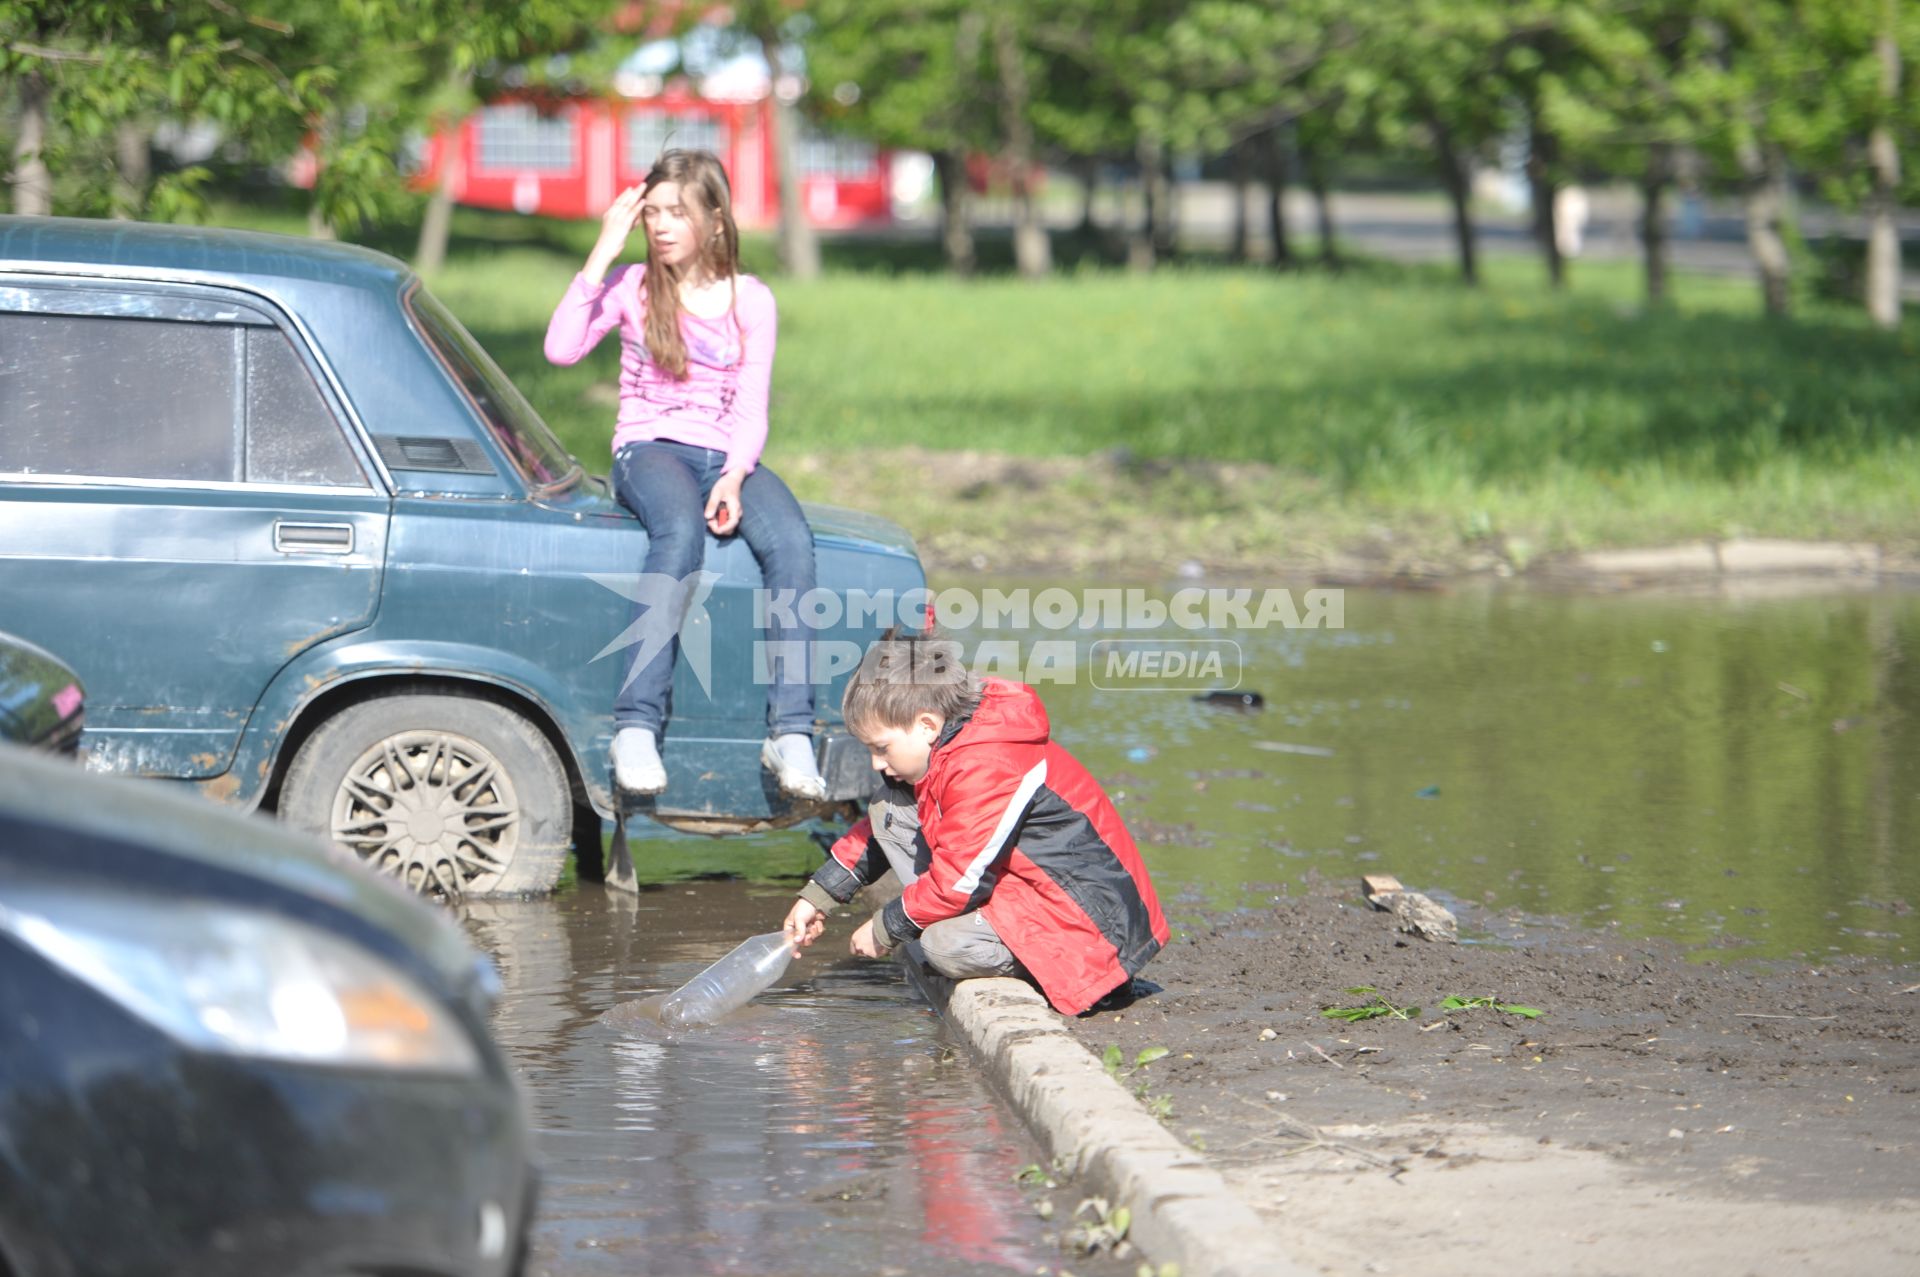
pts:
pixel 1420 228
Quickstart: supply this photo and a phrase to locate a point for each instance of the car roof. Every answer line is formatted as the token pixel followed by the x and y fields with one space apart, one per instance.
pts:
pixel 200 251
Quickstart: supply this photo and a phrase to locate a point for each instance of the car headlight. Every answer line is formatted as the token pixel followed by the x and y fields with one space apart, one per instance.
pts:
pixel 242 982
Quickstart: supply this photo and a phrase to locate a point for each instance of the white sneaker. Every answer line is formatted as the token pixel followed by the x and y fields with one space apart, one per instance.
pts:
pixel 636 762
pixel 790 758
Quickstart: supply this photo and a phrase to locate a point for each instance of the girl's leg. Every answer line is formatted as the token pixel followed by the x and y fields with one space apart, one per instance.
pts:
pixel 660 486
pixel 773 526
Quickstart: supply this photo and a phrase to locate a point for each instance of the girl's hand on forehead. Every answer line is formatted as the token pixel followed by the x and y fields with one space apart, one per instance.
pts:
pixel 621 215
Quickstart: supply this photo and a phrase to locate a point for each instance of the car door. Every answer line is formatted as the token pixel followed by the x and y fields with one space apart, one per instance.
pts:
pixel 181 508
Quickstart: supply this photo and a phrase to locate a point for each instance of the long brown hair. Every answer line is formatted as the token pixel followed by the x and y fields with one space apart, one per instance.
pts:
pixel 709 202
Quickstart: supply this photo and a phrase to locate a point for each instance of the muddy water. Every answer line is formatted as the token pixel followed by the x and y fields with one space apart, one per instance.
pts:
pixel 1737 774
pixel 831 1127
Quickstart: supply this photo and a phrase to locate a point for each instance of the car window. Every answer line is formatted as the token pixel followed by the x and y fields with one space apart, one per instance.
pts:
pixel 129 398
pixel 515 426
pixel 139 398
pixel 292 436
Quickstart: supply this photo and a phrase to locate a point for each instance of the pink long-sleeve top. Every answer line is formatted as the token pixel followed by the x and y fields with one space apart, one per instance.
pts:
pixel 722 401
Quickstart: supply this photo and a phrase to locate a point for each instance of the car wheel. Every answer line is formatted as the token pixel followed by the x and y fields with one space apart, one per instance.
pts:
pixel 453 795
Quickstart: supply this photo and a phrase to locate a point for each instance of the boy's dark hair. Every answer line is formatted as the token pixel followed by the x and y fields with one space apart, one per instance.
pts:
pixel 902 678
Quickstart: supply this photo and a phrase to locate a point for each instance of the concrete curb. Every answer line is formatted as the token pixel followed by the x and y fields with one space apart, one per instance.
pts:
pixel 1183 1211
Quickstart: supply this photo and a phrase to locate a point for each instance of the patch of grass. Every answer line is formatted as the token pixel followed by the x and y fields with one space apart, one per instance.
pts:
pixel 1386 399
pixel 1374 1008
pixel 1451 1003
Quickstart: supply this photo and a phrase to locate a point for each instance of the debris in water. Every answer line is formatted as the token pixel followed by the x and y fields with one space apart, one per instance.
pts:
pixel 1246 701
pixel 1282 747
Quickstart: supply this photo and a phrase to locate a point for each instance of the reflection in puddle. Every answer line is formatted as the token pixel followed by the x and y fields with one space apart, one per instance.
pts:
pixel 828 1127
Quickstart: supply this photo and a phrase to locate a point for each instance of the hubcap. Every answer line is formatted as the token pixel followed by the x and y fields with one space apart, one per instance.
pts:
pixel 435 810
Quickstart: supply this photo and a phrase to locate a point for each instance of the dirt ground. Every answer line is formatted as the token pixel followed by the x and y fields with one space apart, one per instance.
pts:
pixel 1662 1115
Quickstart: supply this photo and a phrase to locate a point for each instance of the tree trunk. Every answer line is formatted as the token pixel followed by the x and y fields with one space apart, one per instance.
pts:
pixel 799 246
pixel 1653 228
pixel 1140 242
pixel 1278 173
pixel 956 212
pixel 1166 228
pixel 1089 169
pixel 1242 247
pixel 133 167
pixel 318 227
pixel 1542 152
pixel 1766 208
pixel 1319 182
pixel 32 181
pixel 1459 183
pixel 1032 250
pixel 436 227
pixel 1883 155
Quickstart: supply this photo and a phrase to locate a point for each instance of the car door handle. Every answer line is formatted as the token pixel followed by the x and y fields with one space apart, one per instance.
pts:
pixel 312 538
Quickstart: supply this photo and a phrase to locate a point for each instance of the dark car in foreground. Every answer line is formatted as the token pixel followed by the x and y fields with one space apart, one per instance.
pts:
pixel 232 1052
pixel 309 548
pixel 41 702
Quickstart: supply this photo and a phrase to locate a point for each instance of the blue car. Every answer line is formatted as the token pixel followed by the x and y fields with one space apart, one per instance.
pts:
pixel 308 548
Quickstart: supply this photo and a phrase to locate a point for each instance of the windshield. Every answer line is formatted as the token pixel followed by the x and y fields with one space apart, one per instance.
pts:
pixel 516 427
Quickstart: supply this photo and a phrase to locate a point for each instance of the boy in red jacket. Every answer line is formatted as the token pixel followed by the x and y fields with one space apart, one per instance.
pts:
pixel 1014 862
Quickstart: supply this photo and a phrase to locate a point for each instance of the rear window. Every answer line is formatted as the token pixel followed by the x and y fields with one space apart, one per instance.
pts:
pixel 515 426
pixel 111 397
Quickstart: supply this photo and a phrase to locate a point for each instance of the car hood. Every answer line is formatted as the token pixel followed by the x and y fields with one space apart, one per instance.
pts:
pixel 592 495
pixel 53 792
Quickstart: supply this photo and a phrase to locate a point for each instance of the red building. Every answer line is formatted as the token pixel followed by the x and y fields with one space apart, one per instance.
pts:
pixel 570 157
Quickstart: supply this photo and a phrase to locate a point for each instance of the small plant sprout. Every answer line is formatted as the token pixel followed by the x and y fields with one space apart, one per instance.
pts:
pixel 1474 1004
pixel 1105 1229
pixel 1159 1107
pixel 1374 1008
pixel 1034 1175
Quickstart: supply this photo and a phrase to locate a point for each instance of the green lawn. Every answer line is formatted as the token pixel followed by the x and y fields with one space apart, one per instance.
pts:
pixel 1381 398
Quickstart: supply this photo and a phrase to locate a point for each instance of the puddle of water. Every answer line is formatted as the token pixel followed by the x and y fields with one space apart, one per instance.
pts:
pixel 831 1127
pixel 1730 774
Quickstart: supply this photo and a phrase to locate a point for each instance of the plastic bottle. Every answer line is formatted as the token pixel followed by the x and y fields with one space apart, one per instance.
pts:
pixel 730 983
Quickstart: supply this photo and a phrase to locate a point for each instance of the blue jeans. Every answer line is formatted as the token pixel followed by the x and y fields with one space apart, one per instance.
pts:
pixel 666 485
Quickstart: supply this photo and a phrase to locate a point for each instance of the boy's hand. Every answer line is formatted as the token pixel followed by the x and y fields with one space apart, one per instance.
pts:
pixel 863 944
pixel 804 924
pixel 723 503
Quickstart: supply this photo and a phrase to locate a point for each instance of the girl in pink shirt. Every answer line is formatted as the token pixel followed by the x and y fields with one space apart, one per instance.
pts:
pixel 697 341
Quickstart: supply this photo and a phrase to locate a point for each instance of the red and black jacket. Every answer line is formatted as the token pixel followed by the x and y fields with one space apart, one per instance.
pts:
pixel 1018 829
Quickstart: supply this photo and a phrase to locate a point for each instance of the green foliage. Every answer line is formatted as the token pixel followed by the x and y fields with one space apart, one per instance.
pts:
pixel 1451 1003
pixel 1034 1175
pixel 1113 1060
pixel 903 72
pixel 1105 1229
pixel 1159 1107
pixel 350 77
pixel 1374 1008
